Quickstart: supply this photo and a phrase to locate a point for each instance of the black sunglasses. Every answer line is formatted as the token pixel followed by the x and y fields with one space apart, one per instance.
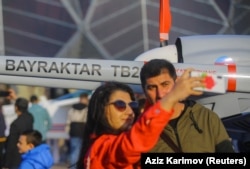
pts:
pixel 122 106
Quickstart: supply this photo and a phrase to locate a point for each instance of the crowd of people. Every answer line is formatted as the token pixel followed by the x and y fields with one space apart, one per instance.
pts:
pixel 112 127
pixel 25 146
pixel 22 146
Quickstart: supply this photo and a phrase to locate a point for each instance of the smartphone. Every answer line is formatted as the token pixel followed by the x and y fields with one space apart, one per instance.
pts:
pixel 214 83
pixel 4 93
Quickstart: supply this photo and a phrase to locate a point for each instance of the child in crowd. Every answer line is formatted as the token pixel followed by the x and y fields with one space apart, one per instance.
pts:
pixel 35 154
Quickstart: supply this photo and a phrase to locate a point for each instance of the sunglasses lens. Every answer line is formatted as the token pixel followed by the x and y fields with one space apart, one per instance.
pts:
pixel 120 105
pixel 133 105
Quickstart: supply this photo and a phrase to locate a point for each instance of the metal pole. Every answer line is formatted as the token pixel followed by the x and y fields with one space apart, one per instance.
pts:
pixel 2 50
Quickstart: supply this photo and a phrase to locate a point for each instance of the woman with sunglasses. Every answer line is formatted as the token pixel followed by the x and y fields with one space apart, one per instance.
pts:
pixel 113 138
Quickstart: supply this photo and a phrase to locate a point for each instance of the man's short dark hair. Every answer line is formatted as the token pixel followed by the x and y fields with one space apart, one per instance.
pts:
pixel 33 137
pixel 33 98
pixel 154 68
pixel 84 95
pixel 22 104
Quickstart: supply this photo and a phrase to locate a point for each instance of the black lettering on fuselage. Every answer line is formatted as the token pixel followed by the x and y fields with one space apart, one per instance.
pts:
pixel 42 65
pixel 31 65
pixel 53 67
pixel 96 68
pixel 21 66
pixel 10 64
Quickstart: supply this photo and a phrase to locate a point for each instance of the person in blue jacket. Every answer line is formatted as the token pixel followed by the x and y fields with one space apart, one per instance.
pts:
pixel 35 154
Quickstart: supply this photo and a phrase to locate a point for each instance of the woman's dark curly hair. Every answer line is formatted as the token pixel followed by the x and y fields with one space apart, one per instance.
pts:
pixel 97 123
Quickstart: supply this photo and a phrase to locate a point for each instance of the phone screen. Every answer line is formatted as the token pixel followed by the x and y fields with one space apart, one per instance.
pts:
pixel 4 93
